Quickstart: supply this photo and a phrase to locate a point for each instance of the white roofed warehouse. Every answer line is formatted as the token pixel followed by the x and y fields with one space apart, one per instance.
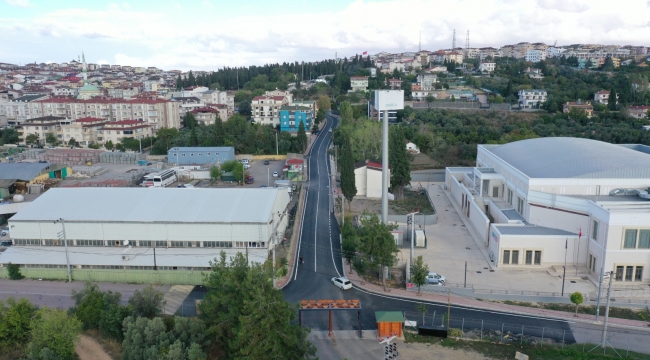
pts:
pixel 530 203
pixel 162 235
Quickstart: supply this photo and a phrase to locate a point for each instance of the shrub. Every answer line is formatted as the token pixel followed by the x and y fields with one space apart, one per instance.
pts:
pixel 14 272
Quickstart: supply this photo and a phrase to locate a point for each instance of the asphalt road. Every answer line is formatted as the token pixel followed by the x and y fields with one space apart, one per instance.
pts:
pixel 320 249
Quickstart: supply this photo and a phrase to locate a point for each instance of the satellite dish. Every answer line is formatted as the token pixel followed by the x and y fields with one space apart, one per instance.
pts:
pixel 125 242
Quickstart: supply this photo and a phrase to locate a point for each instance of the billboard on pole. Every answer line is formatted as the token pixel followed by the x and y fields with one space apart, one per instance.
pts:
pixel 389 100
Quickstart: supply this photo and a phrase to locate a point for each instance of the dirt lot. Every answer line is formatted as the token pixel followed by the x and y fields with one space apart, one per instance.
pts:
pixel 412 200
pixel 89 349
pixel 434 351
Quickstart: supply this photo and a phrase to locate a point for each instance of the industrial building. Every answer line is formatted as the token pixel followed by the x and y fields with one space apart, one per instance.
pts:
pixel 530 203
pixel 200 155
pixel 143 235
pixel 16 177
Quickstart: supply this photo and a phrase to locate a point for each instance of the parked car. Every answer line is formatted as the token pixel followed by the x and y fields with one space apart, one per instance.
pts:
pixel 246 166
pixel 51 148
pixel 435 278
pixel 275 174
pixel 266 162
pixel 244 161
pixel 342 282
pixel 5 231
pixel 5 243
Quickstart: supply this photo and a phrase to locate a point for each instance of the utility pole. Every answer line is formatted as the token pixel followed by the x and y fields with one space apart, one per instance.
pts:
pixel 566 246
pixel 600 285
pixel 65 242
pixel 155 267
pixel 384 170
pixel 412 215
pixel 453 41
pixel 277 151
pixel 609 295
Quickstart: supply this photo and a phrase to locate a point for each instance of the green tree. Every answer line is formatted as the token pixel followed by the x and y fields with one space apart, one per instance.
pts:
pixel 419 272
pixel 175 338
pixel 111 320
pixel 239 172
pixel 611 104
pixel 50 138
pixel 194 138
pixel 349 244
pixel 9 136
pixel 13 271
pixel 245 108
pixel 247 317
pixel 430 99
pixel 346 113
pixel 15 322
pixel 399 161
pixel 31 139
pixel 215 173
pixel 189 120
pixel 577 299
pixel 346 164
pixel 56 331
pixel 219 133
pixel 324 103
pixel 377 244
pixel 147 302
pixel 422 308
pixel 301 136
pixel 90 302
pixel 72 142
pixel 109 145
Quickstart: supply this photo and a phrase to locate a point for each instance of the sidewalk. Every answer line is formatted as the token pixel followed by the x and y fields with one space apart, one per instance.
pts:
pixel 483 305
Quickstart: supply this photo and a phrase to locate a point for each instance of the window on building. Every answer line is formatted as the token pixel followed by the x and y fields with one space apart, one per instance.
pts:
pixel 538 258
pixel 638 274
pixel 630 239
pixel 520 205
pixel 506 257
pixel 161 243
pixel 515 257
pixel 594 230
pixel 644 239
pixel 529 257
pixel 144 243
pixel 629 272
pixel 509 196
pixel 592 263
pixel 619 273
pixel 495 191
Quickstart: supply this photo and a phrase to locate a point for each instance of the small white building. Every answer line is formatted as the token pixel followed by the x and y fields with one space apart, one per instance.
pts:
pixel 602 97
pixel 367 176
pixel 487 67
pixel 531 99
pixel 412 148
pixel 533 202
pixel 535 55
pixel 358 83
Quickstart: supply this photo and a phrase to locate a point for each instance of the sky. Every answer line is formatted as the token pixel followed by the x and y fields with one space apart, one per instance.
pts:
pixel 211 34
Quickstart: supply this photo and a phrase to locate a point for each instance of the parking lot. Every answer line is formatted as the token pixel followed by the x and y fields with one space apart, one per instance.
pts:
pixel 263 174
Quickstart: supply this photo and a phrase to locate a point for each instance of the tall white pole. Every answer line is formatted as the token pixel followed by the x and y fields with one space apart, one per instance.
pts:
pixel 609 295
pixel 65 242
pixel 600 286
pixel 277 152
pixel 384 170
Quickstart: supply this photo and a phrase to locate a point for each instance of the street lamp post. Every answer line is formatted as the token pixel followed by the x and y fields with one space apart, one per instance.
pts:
pixel 412 215
pixel 65 242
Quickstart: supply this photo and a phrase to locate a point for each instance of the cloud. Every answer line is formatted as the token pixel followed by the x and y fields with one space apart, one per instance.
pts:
pixel 19 3
pixel 563 5
pixel 224 36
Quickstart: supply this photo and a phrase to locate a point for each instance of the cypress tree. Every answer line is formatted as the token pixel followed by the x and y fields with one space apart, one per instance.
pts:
pixel 399 162
pixel 346 163
pixel 218 131
pixel 302 136
pixel 612 100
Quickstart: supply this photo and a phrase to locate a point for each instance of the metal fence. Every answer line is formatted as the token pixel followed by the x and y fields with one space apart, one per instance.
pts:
pixel 584 337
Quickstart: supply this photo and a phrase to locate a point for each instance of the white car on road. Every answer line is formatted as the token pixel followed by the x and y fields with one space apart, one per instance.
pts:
pixel 436 279
pixel 342 282
pixel 5 231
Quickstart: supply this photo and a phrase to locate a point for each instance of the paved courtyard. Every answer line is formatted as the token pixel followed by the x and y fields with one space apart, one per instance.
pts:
pixel 450 244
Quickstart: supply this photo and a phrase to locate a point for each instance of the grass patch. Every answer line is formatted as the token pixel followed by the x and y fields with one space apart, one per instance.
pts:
pixel 413 201
pixel 617 312
pixel 535 352
pixel 112 347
